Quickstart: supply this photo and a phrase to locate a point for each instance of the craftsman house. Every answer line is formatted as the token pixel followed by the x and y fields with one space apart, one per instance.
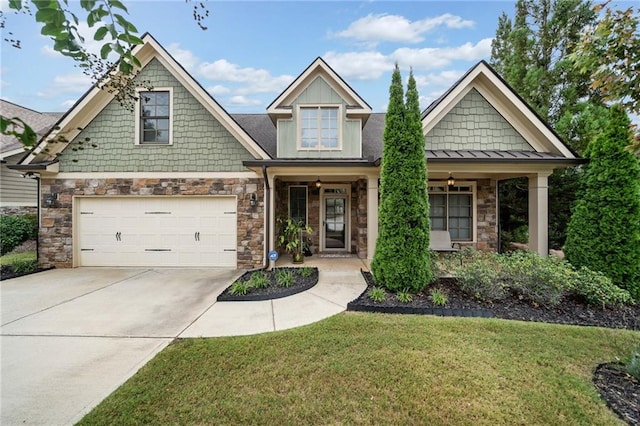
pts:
pixel 180 182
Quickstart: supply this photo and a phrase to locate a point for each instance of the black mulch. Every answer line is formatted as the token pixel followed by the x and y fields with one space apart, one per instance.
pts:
pixel 273 291
pixel 620 390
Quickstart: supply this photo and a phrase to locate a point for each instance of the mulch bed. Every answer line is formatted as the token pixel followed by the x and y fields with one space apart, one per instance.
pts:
pixel 619 389
pixel 273 291
pixel 6 272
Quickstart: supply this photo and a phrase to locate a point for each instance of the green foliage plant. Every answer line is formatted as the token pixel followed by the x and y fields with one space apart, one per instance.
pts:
pixel 481 276
pixel 377 294
pixel 240 288
pixel 404 296
pixel 438 297
pixel 597 289
pixel 285 277
pixel 15 229
pixel 401 259
pixel 292 236
pixel 24 266
pixel 258 280
pixel 632 366
pixel 541 280
pixel 305 272
pixel 604 230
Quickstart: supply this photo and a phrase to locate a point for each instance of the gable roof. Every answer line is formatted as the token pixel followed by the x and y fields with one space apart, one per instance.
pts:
pixel 281 106
pixel 40 122
pixel 95 99
pixel 506 102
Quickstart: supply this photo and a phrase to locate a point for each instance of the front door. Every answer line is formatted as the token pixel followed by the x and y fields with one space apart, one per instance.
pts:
pixel 336 216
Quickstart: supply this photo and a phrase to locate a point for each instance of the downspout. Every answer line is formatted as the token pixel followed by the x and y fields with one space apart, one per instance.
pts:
pixel 267 209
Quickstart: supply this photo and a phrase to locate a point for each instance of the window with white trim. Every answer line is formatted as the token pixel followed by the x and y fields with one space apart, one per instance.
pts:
pixel 451 209
pixel 319 128
pixel 154 117
pixel 298 203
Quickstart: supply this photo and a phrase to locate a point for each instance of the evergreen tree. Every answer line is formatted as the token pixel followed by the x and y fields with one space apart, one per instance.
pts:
pixel 604 231
pixel 401 259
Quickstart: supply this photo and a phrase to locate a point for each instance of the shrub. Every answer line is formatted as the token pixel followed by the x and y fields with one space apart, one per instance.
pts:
pixel 14 230
pixel 258 280
pixel 377 294
pixel 604 230
pixel 401 258
pixel 597 289
pixel 633 365
pixel 542 280
pixel 284 277
pixel 240 288
pixel 438 297
pixel 481 277
pixel 404 296
pixel 305 272
pixel 24 266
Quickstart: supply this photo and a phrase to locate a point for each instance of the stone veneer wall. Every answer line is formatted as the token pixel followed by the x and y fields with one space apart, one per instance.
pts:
pixel 486 197
pixel 56 230
pixel 17 210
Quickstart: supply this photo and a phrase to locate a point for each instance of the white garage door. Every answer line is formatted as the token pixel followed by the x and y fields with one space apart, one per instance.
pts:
pixel 157 231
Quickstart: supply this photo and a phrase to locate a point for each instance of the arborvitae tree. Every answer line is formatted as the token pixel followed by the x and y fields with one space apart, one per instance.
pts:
pixel 604 231
pixel 401 260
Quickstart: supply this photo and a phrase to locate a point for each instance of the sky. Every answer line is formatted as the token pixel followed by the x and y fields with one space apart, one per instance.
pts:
pixel 252 50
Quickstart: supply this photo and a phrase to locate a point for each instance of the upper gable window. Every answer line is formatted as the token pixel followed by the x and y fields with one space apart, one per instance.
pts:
pixel 154 117
pixel 319 128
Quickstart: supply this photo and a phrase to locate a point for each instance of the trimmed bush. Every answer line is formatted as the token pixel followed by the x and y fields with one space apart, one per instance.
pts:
pixel 14 230
pixel 481 277
pixel 604 230
pixel 598 290
pixel 541 280
pixel 402 258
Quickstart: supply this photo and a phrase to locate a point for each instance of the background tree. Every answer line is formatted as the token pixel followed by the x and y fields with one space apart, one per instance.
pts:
pixel 107 19
pixel 610 53
pixel 532 54
pixel 401 260
pixel 604 231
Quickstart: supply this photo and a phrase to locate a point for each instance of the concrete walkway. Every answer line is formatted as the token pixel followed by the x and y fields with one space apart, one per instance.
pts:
pixel 70 337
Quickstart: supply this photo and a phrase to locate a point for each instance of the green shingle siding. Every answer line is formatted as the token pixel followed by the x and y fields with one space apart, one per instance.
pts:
pixel 200 142
pixel 318 93
pixel 473 124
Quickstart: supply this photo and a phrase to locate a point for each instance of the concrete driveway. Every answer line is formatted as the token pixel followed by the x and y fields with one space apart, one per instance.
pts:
pixel 69 337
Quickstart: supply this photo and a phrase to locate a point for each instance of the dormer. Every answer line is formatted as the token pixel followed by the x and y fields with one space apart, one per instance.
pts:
pixel 319 116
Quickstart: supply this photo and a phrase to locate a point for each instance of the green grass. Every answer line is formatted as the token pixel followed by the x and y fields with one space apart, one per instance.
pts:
pixel 359 368
pixel 9 259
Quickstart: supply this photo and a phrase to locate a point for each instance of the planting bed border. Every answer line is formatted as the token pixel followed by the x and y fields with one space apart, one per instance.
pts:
pixel 284 291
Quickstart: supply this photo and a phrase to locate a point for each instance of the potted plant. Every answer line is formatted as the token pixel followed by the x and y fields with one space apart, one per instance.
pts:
pixel 292 239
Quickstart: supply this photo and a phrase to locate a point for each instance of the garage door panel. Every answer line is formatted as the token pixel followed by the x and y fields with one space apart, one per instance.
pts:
pixel 158 231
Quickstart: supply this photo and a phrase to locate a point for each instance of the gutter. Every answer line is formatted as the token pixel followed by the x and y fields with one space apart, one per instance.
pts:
pixel 267 209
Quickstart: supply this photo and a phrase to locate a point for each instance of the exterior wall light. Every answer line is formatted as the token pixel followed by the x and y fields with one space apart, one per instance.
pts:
pixel 318 183
pixel 253 200
pixel 451 181
pixel 51 199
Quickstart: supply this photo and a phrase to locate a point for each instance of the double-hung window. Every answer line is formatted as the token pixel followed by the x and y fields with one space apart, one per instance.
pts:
pixel 154 116
pixel 452 209
pixel 319 128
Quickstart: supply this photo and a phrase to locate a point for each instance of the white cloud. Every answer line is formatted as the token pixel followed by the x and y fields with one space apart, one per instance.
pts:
pixel 91 45
pixel 184 57
pixel 443 79
pixel 68 103
pixel 67 83
pixel 435 57
pixel 383 27
pixel 48 51
pixel 256 80
pixel 243 101
pixel 359 65
pixel 218 90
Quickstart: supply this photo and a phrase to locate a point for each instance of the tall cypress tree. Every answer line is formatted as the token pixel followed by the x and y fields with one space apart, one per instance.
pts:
pixel 604 230
pixel 401 260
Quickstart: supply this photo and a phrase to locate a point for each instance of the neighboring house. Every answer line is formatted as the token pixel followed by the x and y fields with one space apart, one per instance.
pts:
pixel 17 194
pixel 180 182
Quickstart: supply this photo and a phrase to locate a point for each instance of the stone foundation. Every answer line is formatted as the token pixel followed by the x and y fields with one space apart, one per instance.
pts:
pixel 56 230
pixel 17 210
pixel 487 217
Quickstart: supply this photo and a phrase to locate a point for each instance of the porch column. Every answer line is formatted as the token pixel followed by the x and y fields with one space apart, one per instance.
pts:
pixel 372 215
pixel 539 213
pixel 272 214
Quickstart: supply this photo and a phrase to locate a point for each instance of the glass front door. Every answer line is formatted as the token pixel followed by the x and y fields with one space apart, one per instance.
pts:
pixel 335 226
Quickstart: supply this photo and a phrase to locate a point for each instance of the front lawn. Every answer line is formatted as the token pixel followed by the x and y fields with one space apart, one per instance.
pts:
pixel 11 258
pixel 360 368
